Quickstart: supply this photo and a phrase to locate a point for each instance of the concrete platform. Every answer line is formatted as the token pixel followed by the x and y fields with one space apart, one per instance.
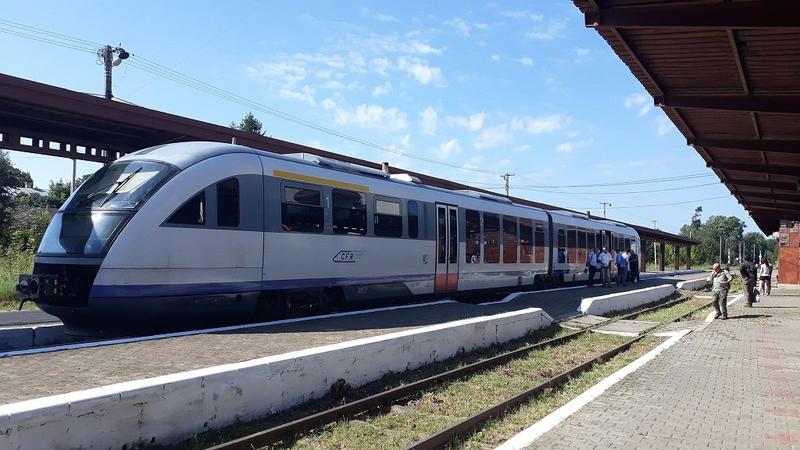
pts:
pixel 582 322
pixel 46 374
pixel 626 327
pixel 13 318
pixel 730 384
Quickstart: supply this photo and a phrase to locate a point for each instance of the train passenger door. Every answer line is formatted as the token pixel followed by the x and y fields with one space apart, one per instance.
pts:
pixel 446 249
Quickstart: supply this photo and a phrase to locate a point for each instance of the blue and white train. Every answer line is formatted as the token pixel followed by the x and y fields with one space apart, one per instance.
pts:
pixel 194 233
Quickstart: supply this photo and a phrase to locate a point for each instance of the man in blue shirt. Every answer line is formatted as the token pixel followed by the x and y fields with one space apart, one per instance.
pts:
pixel 622 268
pixel 591 264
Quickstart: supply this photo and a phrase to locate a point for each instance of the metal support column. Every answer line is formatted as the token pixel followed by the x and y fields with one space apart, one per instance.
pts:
pixel 677 257
pixel 643 257
pixel 661 256
pixel 72 184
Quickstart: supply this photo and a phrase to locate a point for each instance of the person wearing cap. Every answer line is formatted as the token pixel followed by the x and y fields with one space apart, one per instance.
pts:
pixel 721 282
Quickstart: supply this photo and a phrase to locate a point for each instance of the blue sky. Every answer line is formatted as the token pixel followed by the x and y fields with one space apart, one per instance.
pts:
pixel 495 87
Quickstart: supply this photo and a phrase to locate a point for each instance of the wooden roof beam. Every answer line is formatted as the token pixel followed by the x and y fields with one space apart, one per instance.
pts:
pixel 768 205
pixel 781 185
pixel 777 169
pixel 758 145
pixel 791 214
pixel 783 14
pixel 770 196
pixel 789 104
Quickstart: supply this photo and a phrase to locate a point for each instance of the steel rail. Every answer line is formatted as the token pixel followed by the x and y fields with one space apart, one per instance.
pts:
pixel 472 423
pixel 282 432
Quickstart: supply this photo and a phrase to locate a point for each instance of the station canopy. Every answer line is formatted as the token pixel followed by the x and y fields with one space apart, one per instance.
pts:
pixel 727 73
pixel 48 120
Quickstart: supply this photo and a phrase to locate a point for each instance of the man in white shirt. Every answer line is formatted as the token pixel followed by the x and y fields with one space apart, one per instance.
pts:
pixel 591 264
pixel 605 261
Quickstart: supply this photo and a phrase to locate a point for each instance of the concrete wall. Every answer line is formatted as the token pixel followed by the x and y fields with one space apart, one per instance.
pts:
pixel 693 285
pixel 624 300
pixel 168 409
pixel 13 338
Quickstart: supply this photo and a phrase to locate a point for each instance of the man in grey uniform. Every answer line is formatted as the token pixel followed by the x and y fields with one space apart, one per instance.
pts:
pixel 721 282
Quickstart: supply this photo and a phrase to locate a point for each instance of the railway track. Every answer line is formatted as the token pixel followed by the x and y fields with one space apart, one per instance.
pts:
pixel 287 432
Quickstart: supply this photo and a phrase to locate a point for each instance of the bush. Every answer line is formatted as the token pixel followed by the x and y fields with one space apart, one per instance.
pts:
pixel 12 264
pixel 27 228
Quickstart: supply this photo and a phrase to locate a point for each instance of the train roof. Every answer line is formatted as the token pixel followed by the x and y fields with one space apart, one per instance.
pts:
pixel 185 154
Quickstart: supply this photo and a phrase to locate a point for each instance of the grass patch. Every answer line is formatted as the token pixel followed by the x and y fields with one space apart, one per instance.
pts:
pixel 666 315
pixel 11 266
pixel 498 431
pixel 441 407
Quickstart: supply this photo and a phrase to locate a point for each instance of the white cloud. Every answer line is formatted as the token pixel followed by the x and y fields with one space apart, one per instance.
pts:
pixel 522 14
pixel 539 125
pixel 449 148
pixel 526 61
pixel 547 32
pixel 380 65
pixel 495 57
pixel 383 89
pixel 581 52
pixel 419 70
pixel 473 122
pixel 663 125
pixel 493 136
pixel 377 16
pixel 305 94
pixel 422 48
pixel 522 148
pixel 570 146
pixel 368 116
pixel 641 101
pixel 460 25
pixel 428 121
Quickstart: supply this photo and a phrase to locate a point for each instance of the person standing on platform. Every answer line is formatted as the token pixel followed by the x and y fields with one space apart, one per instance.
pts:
pixel 764 273
pixel 622 268
pixel 748 271
pixel 721 282
pixel 605 263
pixel 633 265
pixel 591 265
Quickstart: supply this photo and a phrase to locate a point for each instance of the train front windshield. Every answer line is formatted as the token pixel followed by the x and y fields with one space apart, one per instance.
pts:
pixel 95 213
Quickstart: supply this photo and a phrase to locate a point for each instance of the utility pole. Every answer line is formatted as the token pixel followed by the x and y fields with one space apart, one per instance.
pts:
pixel 105 56
pixel 655 224
pixel 605 204
pixel 506 176
pixel 720 249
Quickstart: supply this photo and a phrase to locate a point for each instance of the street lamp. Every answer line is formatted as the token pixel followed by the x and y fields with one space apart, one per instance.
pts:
pixel 111 57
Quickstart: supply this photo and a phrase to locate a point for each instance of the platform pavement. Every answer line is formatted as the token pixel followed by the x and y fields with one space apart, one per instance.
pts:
pixel 45 374
pixel 731 384
pixel 15 318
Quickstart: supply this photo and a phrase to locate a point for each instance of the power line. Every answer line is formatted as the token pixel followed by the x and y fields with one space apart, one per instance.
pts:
pixel 620 183
pixel 671 204
pixel 163 71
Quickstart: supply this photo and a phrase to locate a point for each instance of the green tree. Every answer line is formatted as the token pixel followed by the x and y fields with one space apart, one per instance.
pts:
pixel 27 228
pixel 10 178
pixel 756 242
pixel 59 191
pixel 251 124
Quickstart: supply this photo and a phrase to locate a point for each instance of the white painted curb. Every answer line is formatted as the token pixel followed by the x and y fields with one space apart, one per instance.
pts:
pixel 624 300
pixel 693 285
pixel 526 437
pixel 168 409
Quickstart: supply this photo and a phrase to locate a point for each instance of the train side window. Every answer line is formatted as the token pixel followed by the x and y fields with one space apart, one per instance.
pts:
pixel 473 240
pixel 413 219
pixel 349 212
pixel 192 212
pixel 228 203
pixel 572 248
pixel 525 241
pixel 598 240
pixel 581 245
pixel 509 240
pixel 562 245
pixel 491 238
pixel 627 244
pixel 388 220
pixel 538 244
pixel 301 210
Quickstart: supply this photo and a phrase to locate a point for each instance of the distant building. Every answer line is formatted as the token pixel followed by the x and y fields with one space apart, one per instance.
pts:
pixel 789 252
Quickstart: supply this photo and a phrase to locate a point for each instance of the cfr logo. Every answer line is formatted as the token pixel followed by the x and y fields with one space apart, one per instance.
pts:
pixel 347 256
